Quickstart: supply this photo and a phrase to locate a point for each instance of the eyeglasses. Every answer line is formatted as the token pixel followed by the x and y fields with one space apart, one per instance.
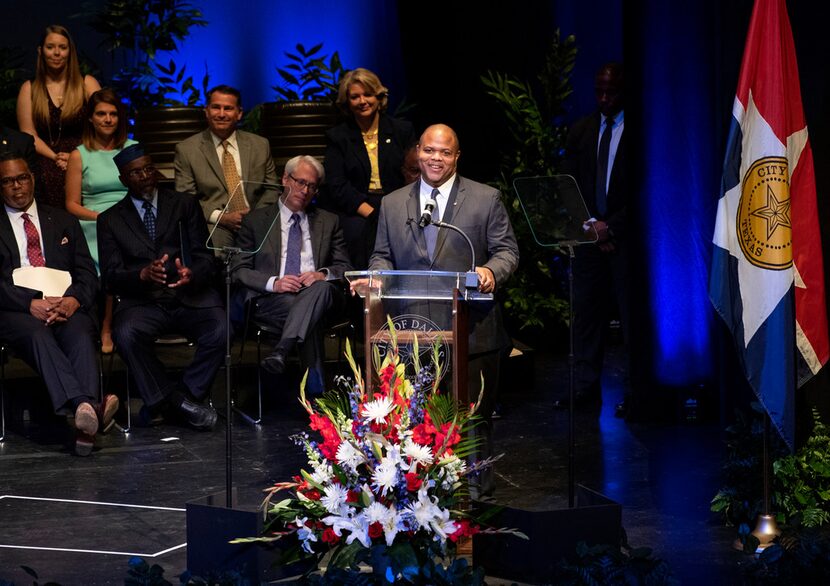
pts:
pixel 149 170
pixel 303 184
pixel 22 179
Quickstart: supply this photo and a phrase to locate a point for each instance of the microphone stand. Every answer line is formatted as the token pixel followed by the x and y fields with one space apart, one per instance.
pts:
pixel 228 253
pixel 471 281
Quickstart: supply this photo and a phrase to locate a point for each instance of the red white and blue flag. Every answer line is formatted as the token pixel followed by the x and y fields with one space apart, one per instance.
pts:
pixel 767 279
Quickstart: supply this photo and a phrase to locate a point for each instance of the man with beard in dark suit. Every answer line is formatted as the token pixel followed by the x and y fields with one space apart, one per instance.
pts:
pixel 154 259
pixel 595 156
pixel 55 335
pixel 478 211
pixel 295 277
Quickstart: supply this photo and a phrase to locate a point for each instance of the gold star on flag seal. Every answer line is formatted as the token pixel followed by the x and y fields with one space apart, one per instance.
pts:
pixel 763 220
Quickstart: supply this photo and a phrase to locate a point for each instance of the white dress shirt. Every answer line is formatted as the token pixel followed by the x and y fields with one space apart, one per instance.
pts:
pixel 16 219
pixel 443 195
pixel 306 255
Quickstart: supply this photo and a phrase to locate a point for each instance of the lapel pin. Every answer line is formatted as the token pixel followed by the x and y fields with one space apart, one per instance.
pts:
pixel 388 140
pixel 64 240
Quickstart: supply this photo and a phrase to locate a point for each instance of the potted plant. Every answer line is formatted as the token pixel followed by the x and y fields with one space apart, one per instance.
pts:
pixel 305 105
pixel 534 295
pixel 164 98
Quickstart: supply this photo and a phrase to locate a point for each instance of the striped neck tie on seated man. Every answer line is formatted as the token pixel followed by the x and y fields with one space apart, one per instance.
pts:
pixel 602 166
pixel 294 247
pixel 232 180
pixel 149 220
pixel 431 231
pixel 33 250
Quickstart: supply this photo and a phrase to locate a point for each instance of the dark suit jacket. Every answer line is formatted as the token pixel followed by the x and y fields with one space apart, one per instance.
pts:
pixel 64 247
pixel 581 162
pixel 479 212
pixel 12 141
pixel 347 164
pixel 124 248
pixel 253 270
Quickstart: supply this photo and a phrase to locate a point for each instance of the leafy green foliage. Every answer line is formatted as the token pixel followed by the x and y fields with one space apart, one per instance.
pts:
pixel 536 149
pixel 611 565
pixel 11 76
pixel 309 75
pixel 802 487
pixel 137 30
pixel 799 556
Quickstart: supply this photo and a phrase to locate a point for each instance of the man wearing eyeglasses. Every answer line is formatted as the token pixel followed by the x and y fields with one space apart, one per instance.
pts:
pixel 212 163
pixel 292 279
pixel 153 257
pixel 55 335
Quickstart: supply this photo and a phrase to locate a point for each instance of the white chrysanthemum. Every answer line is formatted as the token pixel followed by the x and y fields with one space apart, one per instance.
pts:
pixel 334 498
pixel 322 473
pixel 385 476
pixel 377 410
pixel 350 456
pixel 422 455
pixel 376 513
pixel 305 534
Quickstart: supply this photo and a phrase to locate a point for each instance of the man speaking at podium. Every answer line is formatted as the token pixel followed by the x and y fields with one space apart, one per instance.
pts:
pixel 477 210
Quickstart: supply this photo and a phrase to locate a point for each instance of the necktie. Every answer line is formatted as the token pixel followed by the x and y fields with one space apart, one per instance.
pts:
pixel 602 167
pixel 232 180
pixel 295 246
pixel 431 231
pixel 149 220
pixel 33 250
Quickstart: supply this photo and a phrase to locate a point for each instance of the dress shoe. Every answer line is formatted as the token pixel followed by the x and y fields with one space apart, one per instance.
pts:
pixel 274 363
pixel 84 443
pixel 106 413
pixel 201 417
pixel 86 419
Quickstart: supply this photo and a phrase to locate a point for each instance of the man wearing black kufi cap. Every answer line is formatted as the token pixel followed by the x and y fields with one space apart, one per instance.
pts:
pixel 153 257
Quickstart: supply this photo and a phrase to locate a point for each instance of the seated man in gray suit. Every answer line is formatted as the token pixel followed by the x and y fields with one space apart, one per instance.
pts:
pixel 293 276
pixel 211 164
pixel 55 335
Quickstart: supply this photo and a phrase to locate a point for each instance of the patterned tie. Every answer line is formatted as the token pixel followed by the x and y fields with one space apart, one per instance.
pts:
pixel 295 246
pixel 602 166
pixel 431 231
pixel 149 220
pixel 232 180
pixel 33 250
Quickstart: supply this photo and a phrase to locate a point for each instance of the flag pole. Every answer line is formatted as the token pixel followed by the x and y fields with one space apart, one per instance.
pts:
pixel 766 528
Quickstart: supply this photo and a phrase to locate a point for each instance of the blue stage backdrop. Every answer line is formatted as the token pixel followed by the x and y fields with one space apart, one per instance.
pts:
pixel 243 46
pixel 680 173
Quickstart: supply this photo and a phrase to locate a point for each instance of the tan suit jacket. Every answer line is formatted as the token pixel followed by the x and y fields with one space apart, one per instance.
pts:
pixel 198 171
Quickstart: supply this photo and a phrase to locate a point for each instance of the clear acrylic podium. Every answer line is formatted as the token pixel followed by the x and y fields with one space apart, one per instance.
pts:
pixel 427 306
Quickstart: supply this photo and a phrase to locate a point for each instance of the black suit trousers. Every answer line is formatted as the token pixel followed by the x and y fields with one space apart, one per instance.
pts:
pixel 136 328
pixel 600 286
pixel 300 316
pixel 64 354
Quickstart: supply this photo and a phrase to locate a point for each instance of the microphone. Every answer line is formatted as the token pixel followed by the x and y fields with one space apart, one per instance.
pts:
pixel 426 216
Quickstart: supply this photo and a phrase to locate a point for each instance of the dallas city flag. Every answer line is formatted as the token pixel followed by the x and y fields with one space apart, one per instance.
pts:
pixel 767 279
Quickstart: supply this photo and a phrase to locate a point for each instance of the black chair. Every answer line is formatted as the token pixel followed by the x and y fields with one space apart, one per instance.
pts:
pixel 337 327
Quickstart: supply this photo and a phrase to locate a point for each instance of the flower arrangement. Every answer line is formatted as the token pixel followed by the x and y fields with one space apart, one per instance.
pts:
pixel 386 480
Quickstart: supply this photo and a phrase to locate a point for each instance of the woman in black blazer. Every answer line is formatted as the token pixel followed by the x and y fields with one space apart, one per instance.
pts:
pixel 363 161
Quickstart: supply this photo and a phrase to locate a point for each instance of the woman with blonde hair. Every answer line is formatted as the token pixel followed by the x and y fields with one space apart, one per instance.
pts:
pixel 363 161
pixel 92 183
pixel 51 108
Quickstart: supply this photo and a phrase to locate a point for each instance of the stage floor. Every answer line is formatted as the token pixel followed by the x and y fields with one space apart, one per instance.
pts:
pixel 79 520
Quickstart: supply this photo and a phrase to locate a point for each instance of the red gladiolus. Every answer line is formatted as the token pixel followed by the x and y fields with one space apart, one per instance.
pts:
pixel 375 530
pixel 413 482
pixel 465 529
pixel 329 536
pixel 421 436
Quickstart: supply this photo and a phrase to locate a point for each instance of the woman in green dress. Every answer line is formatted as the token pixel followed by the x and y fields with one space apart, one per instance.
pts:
pixel 92 183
